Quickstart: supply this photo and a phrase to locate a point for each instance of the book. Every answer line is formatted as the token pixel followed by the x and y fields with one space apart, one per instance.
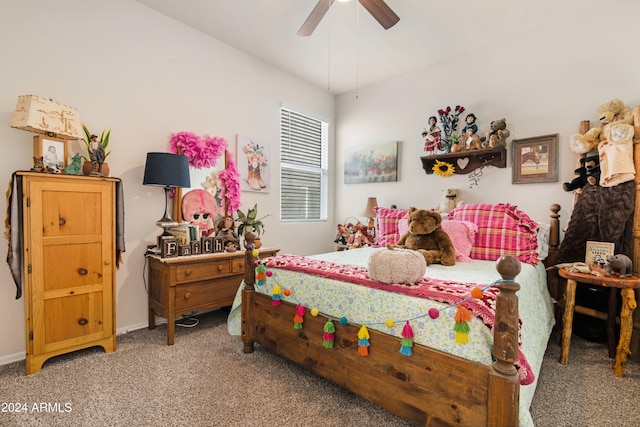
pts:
pixel 597 253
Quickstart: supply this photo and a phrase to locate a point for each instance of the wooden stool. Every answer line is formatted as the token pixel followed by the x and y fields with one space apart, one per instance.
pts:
pixel 626 286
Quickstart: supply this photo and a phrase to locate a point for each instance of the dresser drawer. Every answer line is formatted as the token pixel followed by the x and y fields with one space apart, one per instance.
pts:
pixel 237 265
pixel 207 294
pixel 204 270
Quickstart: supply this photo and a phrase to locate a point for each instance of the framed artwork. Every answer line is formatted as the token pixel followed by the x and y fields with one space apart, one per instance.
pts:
pixel 374 163
pixel 254 163
pixel 53 152
pixel 201 205
pixel 535 160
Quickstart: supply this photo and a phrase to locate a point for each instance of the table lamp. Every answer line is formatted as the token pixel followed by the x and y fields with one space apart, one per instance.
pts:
pixel 169 171
pixel 46 117
pixel 369 212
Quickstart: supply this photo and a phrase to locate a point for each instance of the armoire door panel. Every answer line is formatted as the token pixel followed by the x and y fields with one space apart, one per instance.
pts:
pixel 71 213
pixel 83 265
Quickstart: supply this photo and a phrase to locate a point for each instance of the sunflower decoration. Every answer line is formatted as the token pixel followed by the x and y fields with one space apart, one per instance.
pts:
pixel 443 169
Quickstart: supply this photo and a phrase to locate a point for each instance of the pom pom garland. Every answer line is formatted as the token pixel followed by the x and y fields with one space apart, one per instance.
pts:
pixel 461 327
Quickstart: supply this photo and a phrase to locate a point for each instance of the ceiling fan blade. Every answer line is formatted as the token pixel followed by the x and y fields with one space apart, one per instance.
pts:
pixel 381 12
pixel 315 17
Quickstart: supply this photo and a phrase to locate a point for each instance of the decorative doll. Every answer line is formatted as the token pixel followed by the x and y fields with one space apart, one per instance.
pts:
pixel 227 230
pixel 432 140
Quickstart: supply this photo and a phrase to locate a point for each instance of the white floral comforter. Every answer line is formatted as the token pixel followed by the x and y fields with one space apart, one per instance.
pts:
pixel 364 305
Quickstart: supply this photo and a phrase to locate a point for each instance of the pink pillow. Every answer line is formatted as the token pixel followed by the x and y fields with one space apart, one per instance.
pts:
pixel 461 233
pixel 502 230
pixel 387 225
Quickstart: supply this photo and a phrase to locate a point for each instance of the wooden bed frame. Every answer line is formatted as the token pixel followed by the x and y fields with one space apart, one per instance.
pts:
pixel 430 387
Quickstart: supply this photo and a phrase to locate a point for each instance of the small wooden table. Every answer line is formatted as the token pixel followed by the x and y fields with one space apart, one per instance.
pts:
pixel 626 286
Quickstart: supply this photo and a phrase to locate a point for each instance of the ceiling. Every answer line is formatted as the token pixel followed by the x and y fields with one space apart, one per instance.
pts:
pixel 349 49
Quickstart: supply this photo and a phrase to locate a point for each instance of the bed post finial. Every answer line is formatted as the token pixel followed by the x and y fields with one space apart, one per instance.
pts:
pixel 505 340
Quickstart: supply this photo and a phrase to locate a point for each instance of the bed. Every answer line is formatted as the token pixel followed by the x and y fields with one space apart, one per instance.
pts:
pixel 489 381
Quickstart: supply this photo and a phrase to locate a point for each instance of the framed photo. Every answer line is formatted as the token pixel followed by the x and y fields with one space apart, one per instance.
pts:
pixel 535 160
pixel 53 152
pixel 376 163
pixel 597 253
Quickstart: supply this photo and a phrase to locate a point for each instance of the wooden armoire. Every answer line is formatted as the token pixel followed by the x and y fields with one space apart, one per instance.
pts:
pixel 68 263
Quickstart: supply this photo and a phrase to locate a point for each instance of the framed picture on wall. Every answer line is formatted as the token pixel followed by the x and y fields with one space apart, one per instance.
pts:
pixel 254 164
pixel 535 160
pixel 53 152
pixel 372 163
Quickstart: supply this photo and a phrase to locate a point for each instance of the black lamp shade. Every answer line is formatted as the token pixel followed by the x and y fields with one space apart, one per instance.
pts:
pixel 167 170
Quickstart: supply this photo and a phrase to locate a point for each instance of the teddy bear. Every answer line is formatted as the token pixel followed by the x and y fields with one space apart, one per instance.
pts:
pixel 616 154
pixel 498 135
pixel 450 200
pixel 426 236
pixel 588 172
pixel 611 111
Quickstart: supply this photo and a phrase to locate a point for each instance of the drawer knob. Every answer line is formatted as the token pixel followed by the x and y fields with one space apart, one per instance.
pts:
pixel 187 295
pixel 241 265
pixel 187 272
pixel 82 321
pixel 220 268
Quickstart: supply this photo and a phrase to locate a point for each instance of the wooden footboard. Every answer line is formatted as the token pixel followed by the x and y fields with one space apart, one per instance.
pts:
pixel 428 388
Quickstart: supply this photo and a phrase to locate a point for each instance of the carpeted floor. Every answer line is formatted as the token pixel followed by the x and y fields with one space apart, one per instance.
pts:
pixel 206 380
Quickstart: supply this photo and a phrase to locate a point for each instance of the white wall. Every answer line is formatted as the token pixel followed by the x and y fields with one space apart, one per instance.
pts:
pixel 543 82
pixel 144 76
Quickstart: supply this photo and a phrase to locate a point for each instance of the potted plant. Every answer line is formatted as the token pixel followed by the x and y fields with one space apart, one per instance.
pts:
pixel 250 222
pixel 104 143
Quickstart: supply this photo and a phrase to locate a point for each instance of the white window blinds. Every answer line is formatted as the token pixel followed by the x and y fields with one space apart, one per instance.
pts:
pixel 303 168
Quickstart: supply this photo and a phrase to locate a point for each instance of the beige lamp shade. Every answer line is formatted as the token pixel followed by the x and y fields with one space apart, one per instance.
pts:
pixel 46 116
pixel 372 202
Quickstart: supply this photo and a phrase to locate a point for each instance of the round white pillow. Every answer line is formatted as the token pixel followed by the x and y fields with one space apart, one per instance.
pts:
pixel 397 265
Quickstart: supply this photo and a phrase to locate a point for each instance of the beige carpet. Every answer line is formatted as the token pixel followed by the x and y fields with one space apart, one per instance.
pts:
pixel 206 380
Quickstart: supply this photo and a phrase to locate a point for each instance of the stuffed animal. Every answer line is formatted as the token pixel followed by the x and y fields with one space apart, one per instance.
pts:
pixel 588 173
pixel 359 238
pixel 616 154
pixel 426 236
pixel 498 135
pixel 450 200
pixel 611 111
pixel 619 264
pixel 394 265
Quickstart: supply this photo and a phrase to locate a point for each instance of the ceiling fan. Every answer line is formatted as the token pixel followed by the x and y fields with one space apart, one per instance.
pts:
pixel 377 8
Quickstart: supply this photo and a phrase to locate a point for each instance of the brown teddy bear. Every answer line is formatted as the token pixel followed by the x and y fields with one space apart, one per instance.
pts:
pixel 427 237
pixel 611 111
pixel 499 133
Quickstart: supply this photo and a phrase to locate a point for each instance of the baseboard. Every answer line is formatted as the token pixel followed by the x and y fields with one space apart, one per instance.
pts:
pixel 10 358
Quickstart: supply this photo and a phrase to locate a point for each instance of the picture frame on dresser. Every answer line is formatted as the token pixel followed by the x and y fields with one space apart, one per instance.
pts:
pixel 535 159
pixel 53 151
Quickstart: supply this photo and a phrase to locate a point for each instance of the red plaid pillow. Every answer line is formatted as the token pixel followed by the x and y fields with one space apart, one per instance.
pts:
pixel 387 225
pixel 502 230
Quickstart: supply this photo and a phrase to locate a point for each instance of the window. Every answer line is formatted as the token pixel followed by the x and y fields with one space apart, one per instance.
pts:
pixel 303 169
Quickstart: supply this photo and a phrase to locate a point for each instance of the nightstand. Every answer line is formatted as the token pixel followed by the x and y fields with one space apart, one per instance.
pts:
pixel 627 288
pixel 184 284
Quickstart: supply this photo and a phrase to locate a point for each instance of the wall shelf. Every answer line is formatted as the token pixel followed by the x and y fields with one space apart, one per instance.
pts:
pixel 467 161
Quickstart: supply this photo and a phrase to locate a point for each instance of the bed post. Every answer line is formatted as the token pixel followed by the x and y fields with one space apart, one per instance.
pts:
pixel 248 292
pixel 504 381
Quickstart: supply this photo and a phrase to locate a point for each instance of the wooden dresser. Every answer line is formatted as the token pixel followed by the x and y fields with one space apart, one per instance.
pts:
pixel 68 264
pixel 184 284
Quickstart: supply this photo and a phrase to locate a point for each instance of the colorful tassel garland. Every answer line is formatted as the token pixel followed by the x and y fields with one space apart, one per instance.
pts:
pixel 407 340
pixel 462 327
pixel 261 275
pixel 363 341
pixel 298 318
pixel 328 336
pixel 275 296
